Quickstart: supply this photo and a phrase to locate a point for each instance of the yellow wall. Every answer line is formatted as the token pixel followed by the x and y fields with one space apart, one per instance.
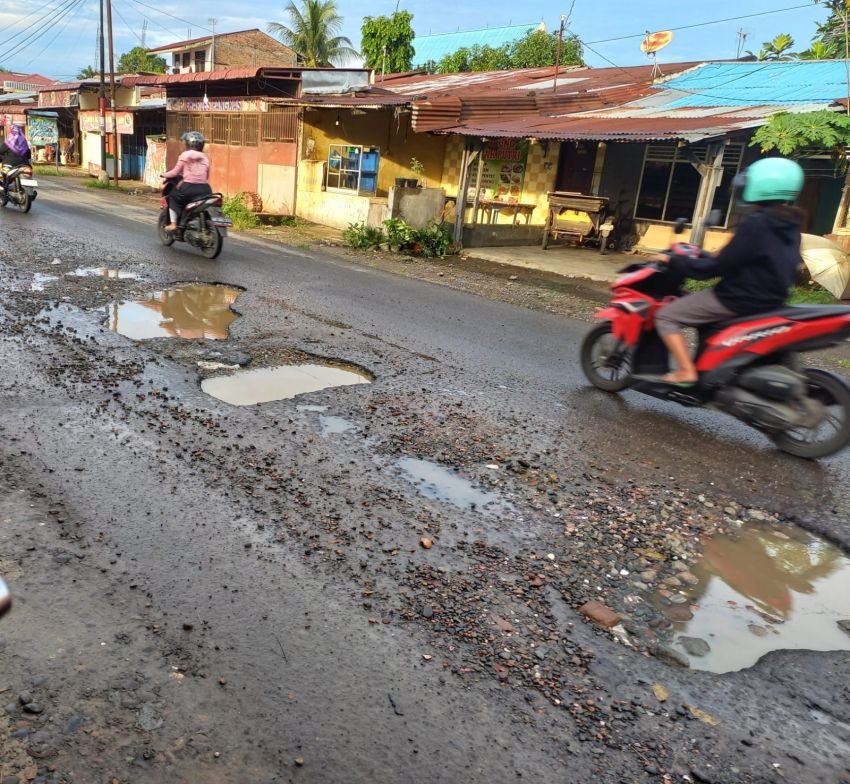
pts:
pixel 540 173
pixel 333 208
pixel 660 236
pixel 124 96
pixel 376 128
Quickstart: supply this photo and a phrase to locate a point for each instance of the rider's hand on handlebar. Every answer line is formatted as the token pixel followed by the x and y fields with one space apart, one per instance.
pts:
pixel 660 258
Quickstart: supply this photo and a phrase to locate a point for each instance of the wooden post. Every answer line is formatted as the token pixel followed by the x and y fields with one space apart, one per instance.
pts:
pixel 477 197
pixel 460 204
pixel 711 174
pixel 112 91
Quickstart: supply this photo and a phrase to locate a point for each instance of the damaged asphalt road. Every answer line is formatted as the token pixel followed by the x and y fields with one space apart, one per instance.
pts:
pixel 216 593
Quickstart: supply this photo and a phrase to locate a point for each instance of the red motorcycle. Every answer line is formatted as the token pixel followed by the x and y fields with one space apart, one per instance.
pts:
pixel 748 367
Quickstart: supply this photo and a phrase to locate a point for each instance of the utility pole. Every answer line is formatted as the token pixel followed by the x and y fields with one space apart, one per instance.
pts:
pixel 101 97
pixel 558 55
pixel 115 149
pixel 144 34
pixel 213 22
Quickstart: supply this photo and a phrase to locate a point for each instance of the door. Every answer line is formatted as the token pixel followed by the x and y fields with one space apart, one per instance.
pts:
pixel 575 167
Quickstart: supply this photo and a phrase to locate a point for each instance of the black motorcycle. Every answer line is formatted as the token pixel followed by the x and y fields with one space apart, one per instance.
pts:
pixel 203 224
pixel 18 186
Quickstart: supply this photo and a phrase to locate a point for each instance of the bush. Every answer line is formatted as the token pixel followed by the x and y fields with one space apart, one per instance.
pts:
pixel 436 240
pixel 400 234
pixel 363 237
pixel 236 208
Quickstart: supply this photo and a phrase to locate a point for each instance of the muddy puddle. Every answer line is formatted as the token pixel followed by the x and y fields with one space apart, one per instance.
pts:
pixel 191 311
pixel 103 272
pixel 40 281
pixel 336 425
pixel 442 484
pixel 761 590
pixel 264 385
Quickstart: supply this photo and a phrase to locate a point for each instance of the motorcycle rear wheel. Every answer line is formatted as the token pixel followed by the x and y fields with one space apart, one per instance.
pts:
pixel 604 365
pixel 809 443
pixel 213 249
pixel 25 204
pixel 165 237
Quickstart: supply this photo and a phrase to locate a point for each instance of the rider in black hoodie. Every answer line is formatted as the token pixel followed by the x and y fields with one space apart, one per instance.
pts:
pixel 757 268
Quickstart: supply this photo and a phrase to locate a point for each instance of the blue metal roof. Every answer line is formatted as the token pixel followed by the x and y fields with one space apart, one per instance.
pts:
pixel 436 47
pixel 760 83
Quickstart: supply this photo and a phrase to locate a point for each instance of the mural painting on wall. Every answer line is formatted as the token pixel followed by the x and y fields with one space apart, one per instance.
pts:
pixel 505 162
pixel 42 131
pixel 90 122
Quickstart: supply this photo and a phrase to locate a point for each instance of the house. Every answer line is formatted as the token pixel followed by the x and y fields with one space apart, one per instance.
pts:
pixel 75 107
pixel 252 119
pixel 430 49
pixel 656 148
pixel 240 49
pixel 22 83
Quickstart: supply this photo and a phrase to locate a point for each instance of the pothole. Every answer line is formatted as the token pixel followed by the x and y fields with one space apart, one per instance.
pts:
pixel 40 280
pixel 190 311
pixel 438 482
pixel 336 425
pixel 104 272
pixel 264 385
pixel 760 590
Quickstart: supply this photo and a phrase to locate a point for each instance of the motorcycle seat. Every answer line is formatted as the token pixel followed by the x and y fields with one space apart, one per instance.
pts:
pixel 794 312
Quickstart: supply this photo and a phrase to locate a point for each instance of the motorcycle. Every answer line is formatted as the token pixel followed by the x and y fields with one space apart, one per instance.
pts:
pixel 202 225
pixel 749 367
pixel 17 186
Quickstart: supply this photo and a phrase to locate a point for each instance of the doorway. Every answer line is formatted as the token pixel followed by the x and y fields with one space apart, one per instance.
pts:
pixel 576 165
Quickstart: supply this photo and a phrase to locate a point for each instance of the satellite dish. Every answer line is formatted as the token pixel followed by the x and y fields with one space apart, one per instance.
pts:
pixel 655 41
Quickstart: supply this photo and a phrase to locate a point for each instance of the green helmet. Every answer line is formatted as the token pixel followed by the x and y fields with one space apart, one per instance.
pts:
pixel 772 179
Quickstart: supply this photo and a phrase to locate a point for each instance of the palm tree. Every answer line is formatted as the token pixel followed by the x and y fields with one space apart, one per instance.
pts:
pixel 777 49
pixel 313 32
pixel 87 73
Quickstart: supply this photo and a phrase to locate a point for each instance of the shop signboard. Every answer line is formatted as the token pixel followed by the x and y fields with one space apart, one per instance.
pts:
pixel 42 131
pixel 503 175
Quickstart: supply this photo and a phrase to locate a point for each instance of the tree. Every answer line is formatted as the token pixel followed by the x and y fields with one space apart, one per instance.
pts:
pixel 387 42
pixel 87 73
pixel 137 60
pixel 313 32
pixel 777 49
pixel 793 134
pixel 536 49
pixel 830 34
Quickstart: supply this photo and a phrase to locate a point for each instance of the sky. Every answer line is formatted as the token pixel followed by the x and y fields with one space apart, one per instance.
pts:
pixel 32 41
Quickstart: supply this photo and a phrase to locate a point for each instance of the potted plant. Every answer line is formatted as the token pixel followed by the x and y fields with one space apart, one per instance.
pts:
pixel 417 167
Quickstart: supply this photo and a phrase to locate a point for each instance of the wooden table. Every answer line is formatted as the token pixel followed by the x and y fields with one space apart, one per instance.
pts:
pixel 494 207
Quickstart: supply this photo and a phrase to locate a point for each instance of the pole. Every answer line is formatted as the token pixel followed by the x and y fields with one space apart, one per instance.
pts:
pixel 558 55
pixel 112 91
pixel 101 96
pixel 212 22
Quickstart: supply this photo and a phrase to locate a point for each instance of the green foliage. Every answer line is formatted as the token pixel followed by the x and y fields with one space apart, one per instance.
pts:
pixel 813 294
pixel 138 60
pixel 313 32
pixel 400 234
pixel 236 208
pixel 363 237
pixel 387 42
pixel 829 42
pixel 777 49
pixel 791 134
pixel 416 166
pixel 88 73
pixel 436 240
pixel 534 50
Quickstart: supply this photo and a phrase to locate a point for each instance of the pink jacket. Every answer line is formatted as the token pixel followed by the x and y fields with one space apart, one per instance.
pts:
pixel 194 167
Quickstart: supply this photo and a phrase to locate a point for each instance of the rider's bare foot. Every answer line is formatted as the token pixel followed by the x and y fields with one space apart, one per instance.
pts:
pixel 680 377
pixel 171 227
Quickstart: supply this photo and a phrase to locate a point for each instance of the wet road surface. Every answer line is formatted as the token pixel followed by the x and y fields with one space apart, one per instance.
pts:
pixel 172 494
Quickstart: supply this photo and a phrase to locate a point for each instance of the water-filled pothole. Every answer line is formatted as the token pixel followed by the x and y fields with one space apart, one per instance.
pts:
pixel 40 280
pixel 190 311
pixel 761 590
pixel 438 482
pixel 104 272
pixel 336 425
pixel 263 385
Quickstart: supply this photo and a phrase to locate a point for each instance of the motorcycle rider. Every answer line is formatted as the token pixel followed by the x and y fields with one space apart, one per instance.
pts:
pixel 193 167
pixel 757 268
pixel 15 151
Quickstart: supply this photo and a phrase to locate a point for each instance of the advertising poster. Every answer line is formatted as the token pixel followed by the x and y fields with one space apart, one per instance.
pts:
pixel 503 176
pixel 42 131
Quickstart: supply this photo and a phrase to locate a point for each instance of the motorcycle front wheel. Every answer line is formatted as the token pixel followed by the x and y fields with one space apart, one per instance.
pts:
pixel 165 237
pixel 605 363
pixel 832 433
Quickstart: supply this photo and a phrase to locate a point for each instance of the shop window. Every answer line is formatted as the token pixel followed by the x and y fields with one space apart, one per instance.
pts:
pixel 234 135
pixel 200 61
pixel 670 184
pixel 353 168
pixel 280 124
pixel 219 128
pixel 251 129
pixel 187 59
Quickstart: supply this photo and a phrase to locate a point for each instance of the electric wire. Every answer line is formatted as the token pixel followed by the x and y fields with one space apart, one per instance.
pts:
pixel 37 35
pixel 41 20
pixel 59 32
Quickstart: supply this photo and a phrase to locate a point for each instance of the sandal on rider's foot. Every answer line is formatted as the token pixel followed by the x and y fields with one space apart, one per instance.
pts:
pixel 171 227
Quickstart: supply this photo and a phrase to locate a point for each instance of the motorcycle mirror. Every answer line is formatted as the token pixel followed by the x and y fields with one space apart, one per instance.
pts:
pixel 715 218
pixel 680 224
pixel 5 597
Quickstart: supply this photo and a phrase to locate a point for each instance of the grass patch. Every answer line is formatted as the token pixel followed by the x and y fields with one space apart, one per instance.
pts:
pixel 812 294
pixel 49 170
pixel 236 208
pixel 93 182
